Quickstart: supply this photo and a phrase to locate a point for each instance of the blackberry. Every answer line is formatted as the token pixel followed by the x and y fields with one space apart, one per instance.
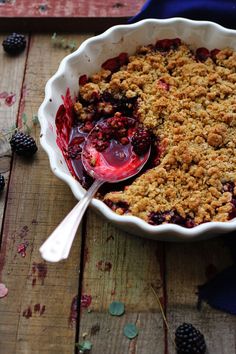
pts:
pixel 189 340
pixel 14 44
pixel 2 182
pixel 23 144
pixel 141 141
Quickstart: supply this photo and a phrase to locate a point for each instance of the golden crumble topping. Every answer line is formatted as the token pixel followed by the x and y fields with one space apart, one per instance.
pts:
pixel 190 106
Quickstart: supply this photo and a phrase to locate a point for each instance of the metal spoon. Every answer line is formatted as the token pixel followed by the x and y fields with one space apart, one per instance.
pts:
pixel 116 163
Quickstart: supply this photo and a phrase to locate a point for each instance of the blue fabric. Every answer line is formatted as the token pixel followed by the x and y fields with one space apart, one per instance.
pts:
pixel 220 11
pixel 220 292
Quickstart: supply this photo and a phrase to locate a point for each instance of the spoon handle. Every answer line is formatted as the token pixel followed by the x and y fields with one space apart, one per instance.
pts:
pixel 58 244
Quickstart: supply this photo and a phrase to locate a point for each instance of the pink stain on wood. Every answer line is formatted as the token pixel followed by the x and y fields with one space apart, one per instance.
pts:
pixel 104 266
pixel 3 290
pixel 41 269
pixel 133 346
pixel 42 310
pixel 33 281
pixel 83 8
pixel 37 308
pixel 27 313
pixel 86 300
pixel 86 255
pixel 3 94
pixel 73 312
pixel 21 248
pixel 10 99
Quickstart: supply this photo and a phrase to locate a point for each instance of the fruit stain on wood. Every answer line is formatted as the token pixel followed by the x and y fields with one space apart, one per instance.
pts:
pixel 9 98
pixel 3 290
pixel 40 309
pixel 41 269
pixel 21 248
pixel 86 300
pixel 82 8
pixel 73 311
pixel 27 313
pixel 104 266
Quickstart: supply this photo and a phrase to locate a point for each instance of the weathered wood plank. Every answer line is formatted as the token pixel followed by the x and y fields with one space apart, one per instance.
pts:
pixel 83 15
pixel 121 267
pixel 82 8
pixel 12 73
pixel 36 316
pixel 190 265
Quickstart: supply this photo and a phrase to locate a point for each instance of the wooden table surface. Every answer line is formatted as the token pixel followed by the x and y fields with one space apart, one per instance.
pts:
pixel 50 307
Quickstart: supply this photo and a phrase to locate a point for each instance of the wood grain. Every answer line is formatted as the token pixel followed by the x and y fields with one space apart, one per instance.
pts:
pixel 121 267
pixel 53 15
pixel 37 316
pixel 14 68
pixel 190 265
pixel 82 8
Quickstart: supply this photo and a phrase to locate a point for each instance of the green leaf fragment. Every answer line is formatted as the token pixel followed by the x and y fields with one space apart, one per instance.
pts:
pixel 130 330
pixel 86 345
pixel 116 308
pixel 24 118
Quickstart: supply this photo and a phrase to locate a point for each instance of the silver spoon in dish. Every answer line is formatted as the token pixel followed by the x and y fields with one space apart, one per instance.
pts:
pixel 105 161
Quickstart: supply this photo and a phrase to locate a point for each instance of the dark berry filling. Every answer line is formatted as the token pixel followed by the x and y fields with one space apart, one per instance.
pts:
pixel 115 128
pixel 114 64
pixel 83 79
pixel 165 45
pixel 214 53
pixel 141 141
pixel 202 54
pixel 171 217
pixel 123 206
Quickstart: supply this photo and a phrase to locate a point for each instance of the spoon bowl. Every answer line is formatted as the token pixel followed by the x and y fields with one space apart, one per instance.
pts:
pixel 107 156
pixel 114 161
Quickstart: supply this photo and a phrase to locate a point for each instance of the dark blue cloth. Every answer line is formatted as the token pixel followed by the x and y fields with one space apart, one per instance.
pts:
pixel 220 11
pixel 220 292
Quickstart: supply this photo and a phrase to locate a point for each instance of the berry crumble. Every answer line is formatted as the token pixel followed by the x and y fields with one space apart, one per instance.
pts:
pixel 184 102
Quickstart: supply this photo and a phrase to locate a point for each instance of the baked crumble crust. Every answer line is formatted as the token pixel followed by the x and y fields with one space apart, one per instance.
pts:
pixel 191 107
